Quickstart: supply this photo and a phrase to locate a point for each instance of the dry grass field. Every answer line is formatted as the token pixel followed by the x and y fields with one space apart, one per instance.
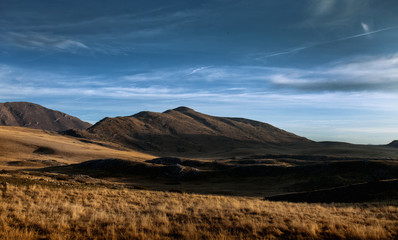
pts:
pixel 58 210
pixel 42 196
pixel 24 147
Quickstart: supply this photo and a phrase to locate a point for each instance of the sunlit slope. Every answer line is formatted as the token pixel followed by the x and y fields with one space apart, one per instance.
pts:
pixel 22 147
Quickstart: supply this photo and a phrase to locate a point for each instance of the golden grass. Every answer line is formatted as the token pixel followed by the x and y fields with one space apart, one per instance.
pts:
pixel 40 207
pixel 53 212
pixel 19 144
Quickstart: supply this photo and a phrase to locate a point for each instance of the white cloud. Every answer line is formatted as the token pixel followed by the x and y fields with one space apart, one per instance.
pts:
pixel 379 75
pixel 366 75
pixel 365 27
pixel 43 41
pixel 197 70
pixel 66 44
pixel 356 75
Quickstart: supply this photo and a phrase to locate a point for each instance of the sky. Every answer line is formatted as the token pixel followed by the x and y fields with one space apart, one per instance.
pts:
pixel 323 69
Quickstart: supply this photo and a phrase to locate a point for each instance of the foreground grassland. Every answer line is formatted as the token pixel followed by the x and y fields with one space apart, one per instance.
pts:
pixel 56 210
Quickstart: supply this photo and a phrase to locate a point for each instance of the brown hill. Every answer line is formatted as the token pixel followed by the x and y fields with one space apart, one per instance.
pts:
pixel 25 114
pixel 183 130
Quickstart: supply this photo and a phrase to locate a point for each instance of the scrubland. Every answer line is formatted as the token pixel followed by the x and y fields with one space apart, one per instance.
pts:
pixel 54 211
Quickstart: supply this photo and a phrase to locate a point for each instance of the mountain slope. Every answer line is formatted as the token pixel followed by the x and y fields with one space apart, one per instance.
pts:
pixel 25 114
pixel 183 130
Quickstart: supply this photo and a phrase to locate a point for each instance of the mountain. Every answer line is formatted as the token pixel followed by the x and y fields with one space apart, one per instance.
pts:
pixel 183 130
pixel 25 114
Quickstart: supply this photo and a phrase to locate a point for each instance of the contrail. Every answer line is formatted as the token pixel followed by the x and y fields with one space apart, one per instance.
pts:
pixel 363 34
pixel 299 49
pixel 287 52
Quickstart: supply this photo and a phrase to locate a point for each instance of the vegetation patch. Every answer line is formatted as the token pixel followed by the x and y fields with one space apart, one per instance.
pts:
pixel 44 150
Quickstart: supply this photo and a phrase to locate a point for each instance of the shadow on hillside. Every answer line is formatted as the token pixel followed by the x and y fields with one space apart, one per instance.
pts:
pixel 363 192
pixel 244 177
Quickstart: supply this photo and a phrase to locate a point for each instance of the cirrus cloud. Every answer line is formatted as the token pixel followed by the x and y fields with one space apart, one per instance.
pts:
pixel 41 41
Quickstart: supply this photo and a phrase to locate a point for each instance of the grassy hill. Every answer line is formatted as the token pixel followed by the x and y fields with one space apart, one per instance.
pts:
pixel 33 148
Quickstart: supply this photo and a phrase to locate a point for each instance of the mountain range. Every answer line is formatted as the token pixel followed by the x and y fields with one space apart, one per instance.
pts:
pixel 185 132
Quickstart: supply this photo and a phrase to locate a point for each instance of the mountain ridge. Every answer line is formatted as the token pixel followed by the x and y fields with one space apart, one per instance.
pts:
pixel 31 115
pixel 183 129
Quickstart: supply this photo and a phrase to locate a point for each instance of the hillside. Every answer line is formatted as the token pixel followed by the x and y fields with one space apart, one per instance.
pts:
pixel 25 114
pixel 33 148
pixel 183 130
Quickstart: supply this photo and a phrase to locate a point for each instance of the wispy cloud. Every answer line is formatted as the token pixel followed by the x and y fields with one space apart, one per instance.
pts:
pixel 366 74
pixel 101 23
pixel 197 70
pixel 113 34
pixel 370 75
pixel 377 75
pixel 365 27
pixel 41 41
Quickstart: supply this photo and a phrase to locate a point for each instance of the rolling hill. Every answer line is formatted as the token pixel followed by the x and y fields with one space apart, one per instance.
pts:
pixel 185 131
pixel 26 114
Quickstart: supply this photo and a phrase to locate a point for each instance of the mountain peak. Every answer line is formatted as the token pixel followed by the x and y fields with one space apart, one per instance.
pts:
pixel 183 109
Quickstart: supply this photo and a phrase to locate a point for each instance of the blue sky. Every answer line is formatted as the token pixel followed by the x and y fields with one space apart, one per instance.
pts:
pixel 323 69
